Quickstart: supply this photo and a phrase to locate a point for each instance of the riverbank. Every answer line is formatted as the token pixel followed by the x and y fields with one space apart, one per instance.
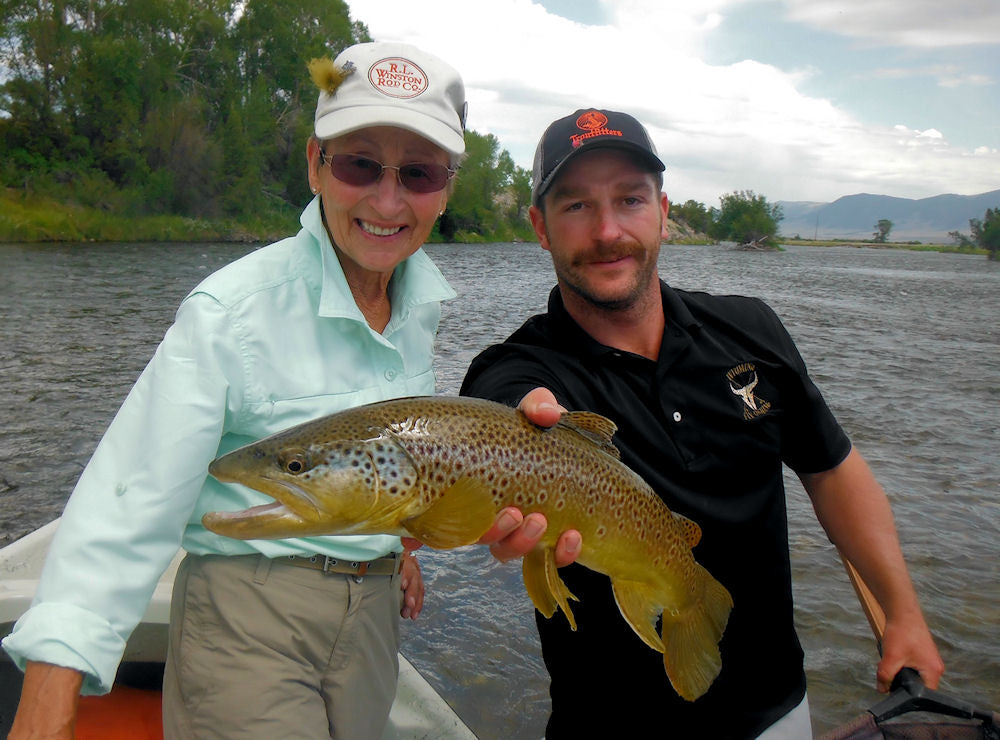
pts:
pixel 44 219
pixel 40 218
pixel 912 246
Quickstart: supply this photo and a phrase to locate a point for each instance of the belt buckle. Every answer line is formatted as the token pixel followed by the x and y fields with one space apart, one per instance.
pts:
pixel 361 569
pixel 328 563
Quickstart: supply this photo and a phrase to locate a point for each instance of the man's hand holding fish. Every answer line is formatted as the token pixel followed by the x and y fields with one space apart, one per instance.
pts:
pixel 513 535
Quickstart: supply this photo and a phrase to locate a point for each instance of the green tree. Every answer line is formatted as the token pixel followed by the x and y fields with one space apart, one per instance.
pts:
pixel 693 214
pixel 986 232
pixel 482 180
pixel 520 188
pixel 882 229
pixel 192 106
pixel 746 218
pixel 961 239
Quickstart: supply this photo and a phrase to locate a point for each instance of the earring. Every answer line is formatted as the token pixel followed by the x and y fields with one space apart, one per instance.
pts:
pixel 315 190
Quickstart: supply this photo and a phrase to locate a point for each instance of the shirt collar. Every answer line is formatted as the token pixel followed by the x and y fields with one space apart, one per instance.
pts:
pixel 415 281
pixel 678 318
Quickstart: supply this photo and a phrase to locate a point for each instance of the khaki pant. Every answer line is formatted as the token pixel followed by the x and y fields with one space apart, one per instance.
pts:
pixel 262 650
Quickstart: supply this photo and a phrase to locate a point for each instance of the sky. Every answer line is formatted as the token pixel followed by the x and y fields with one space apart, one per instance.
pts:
pixel 796 100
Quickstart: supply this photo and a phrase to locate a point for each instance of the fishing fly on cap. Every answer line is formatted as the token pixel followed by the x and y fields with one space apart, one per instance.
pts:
pixel 327 76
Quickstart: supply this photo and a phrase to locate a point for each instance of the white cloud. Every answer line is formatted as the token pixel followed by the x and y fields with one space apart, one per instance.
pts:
pixel 718 127
pixel 916 23
pixel 945 75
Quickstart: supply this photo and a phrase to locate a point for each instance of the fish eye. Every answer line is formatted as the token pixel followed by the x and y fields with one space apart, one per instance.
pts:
pixel 293 462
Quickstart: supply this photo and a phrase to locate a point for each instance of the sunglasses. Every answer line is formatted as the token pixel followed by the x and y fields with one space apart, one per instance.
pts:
pixel 417 177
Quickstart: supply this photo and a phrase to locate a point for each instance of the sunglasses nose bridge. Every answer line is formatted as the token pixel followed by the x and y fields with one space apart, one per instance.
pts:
pixel 399 174
pixel 399 186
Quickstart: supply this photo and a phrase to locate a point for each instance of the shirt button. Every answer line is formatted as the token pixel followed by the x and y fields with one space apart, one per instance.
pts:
pixel 390 375
pixel 677 416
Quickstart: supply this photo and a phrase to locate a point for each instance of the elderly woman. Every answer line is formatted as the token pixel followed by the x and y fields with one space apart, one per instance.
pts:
pixel 288 638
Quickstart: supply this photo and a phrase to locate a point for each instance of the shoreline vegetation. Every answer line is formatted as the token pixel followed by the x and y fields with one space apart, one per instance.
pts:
pixel 44 219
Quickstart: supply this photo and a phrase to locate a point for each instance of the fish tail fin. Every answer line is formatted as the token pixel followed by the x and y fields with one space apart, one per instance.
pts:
pixel 546 589
pixel 691 639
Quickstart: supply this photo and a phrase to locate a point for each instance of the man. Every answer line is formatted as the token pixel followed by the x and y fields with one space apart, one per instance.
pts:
pixel 711 397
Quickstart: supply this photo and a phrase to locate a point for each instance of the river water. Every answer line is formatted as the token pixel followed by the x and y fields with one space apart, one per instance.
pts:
pixel 905 346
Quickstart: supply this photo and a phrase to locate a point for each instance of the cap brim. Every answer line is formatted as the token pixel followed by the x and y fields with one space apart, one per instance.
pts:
pixel 642 153
pixel 338 123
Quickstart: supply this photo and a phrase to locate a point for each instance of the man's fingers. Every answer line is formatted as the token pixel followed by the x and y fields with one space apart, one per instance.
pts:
pixel 506 522
pixel 541 407
pixel 568 547
pixel 521 540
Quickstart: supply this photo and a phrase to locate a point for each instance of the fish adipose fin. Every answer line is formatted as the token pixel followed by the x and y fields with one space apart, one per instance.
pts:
pixel 593 427
pixel 691 639
pixel 459 517
pixel 546 589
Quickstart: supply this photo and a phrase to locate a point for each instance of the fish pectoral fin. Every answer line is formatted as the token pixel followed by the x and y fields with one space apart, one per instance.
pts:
pixel 544 585
pixel 691 639
pixel 459 517
pixel 641 608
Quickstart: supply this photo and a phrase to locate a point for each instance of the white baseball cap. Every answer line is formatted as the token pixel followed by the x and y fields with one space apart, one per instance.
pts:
pixel 391 84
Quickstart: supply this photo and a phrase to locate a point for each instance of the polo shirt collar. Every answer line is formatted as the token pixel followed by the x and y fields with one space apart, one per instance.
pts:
pixel 416 281
pixel 679 325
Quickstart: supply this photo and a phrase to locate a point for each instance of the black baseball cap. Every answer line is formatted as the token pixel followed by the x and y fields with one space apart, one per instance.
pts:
pixel 588 128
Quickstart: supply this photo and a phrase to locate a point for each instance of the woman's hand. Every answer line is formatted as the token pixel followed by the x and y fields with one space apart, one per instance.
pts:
pixel 412 583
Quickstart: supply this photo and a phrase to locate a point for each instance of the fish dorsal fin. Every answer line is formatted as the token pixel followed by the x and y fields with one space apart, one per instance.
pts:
pixel 592 427
pixel 689 529
pixel 459 517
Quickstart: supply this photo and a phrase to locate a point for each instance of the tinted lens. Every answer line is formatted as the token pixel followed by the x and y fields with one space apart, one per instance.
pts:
pixel 417 177
pixel 355 170
pixel 423 178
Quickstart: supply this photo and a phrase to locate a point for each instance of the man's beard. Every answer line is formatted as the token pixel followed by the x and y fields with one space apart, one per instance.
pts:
pixel 570 277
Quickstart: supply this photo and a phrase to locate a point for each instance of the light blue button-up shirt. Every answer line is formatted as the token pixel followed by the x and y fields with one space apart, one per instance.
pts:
pixel 271 340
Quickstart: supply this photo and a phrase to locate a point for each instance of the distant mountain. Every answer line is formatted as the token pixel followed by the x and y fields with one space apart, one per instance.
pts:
pixel 855 216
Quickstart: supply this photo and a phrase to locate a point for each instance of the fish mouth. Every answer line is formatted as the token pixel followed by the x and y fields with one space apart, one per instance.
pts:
pixel 292 513
pixel 264 522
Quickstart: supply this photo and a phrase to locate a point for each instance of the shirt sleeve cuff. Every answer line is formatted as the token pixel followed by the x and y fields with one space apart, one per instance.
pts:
pixel 48 633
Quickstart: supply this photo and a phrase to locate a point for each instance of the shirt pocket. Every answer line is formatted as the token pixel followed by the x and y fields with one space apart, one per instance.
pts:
pixel 273 415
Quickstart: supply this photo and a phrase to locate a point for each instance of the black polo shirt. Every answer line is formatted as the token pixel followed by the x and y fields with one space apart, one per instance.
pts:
pixel 708 426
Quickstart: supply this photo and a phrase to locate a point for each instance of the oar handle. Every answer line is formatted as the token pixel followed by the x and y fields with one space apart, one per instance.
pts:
pixel 908 692
pixel 873 610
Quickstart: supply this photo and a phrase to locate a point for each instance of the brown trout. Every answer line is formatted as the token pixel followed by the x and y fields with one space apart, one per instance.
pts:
pixel 440 468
